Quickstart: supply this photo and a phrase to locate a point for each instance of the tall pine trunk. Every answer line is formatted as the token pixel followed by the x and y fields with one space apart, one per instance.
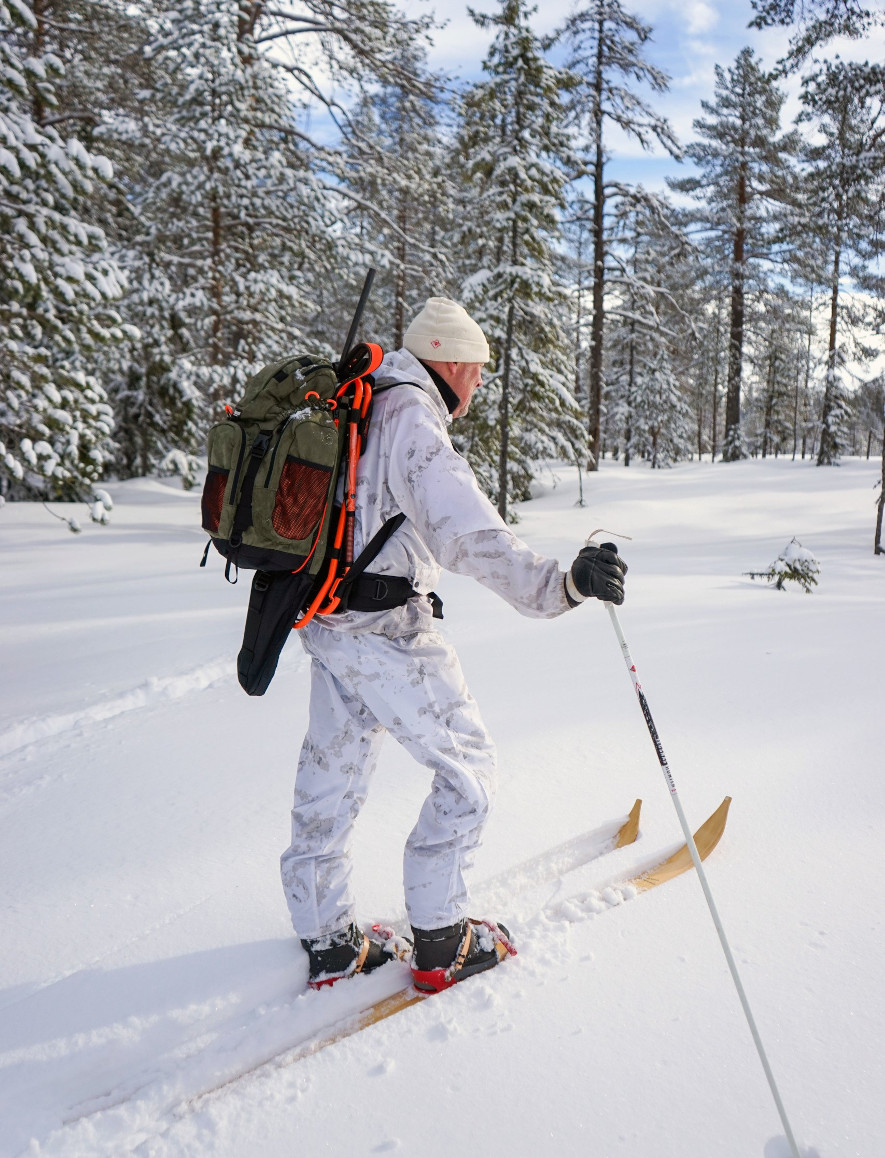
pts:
pixel 877 542
pixel 399 289
pixel 217 352
pixel 597 327
pixel 829 449
pixel 503 465
pixel 732 448
pixel 631 378
pixel 714 420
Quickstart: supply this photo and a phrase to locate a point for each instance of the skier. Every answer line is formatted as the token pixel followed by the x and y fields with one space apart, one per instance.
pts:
pixel 382 666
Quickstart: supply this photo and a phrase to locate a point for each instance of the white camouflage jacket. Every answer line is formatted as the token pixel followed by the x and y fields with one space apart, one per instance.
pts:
pixel 410 465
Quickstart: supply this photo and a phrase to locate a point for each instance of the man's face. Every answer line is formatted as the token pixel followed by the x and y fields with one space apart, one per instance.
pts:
pixel 465 378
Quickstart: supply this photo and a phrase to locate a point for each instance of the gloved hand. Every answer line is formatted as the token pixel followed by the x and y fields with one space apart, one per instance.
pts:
pixel 598 572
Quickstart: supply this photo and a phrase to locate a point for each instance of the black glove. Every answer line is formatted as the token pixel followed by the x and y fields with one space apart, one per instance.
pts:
pixel 598 572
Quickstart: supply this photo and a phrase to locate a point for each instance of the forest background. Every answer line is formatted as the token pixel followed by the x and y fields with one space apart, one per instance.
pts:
pixel 189 191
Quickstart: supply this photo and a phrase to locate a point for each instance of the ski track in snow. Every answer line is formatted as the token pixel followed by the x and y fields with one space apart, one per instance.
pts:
pixel 155 690
pixel 24 738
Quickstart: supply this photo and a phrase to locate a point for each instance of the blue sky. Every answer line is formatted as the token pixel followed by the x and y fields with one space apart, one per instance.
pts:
pixel 690 37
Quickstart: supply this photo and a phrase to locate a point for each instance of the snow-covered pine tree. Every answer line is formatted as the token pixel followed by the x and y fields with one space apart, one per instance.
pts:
pixel 109 96
pixel 743 174
pixel 815 22
pixel 777 358
pixel 337 55
pixel 55 311
pixel 398 195
pixel 649 313
pixel 709 362
pixel 662 410
pixel 868 415
pixel 795 564
pixel 238 254
pixel 845 191
pixel 607 57
pixel 235 226
pixel 514 151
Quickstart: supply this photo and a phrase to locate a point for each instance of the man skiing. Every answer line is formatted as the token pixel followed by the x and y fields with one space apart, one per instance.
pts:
pixel 391 670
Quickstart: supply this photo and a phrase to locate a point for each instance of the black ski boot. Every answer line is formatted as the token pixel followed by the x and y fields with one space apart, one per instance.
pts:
pixel 443 957
pixel 350 951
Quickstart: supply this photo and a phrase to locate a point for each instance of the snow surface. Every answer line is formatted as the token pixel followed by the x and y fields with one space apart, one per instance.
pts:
pixel 146 954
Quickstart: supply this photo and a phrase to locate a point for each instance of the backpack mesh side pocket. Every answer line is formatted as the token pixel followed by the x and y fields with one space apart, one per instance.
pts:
pixel 213 498
pixel 301 498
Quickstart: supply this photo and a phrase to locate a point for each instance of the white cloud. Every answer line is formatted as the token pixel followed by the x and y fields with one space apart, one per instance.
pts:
pixel 701 17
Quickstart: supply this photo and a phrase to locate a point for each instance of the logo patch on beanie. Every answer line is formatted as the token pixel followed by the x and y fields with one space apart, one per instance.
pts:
pixel 435 342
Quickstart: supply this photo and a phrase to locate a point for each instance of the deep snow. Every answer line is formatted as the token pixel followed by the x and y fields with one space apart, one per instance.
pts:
pixel 146 953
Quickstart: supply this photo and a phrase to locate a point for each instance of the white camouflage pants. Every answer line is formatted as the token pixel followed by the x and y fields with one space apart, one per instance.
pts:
pixel 363 685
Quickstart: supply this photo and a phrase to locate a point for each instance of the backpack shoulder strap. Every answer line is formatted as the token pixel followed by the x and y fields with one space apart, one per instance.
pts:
pixel 372 549
pixel 387 528
pixel 384 386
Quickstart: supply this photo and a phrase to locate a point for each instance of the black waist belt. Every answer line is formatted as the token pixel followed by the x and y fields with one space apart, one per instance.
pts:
pixel 370 592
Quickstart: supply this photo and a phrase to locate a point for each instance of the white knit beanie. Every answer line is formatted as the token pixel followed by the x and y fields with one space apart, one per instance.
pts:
pixel 445 332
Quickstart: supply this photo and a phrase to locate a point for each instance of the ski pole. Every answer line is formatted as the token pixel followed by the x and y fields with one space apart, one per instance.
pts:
pixel 702 877
pixel 357 314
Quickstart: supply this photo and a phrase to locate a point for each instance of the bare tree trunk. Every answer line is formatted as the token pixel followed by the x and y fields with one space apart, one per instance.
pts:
pixel 877 543
pixel 731 451
pixel 597 328
pixel 38 105
pixel 399 288
pixel 579 316
pixel 503 464
pixel 144 425
pixel 217 286
pixel 826 455
pixel 631 374
pixel 807 377
pixel 769 405
pixel 714 421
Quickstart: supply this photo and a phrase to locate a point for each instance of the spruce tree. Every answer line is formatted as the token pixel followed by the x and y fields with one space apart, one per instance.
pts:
pixel 234 223
pixel 651 330
pixel 58 283
pixel 777 358
pixel 398 196
pixel 114 94
pixel 232 234
pixel 815 22
pixel 845 178
pixel 514 150
pixel 607 57
pixel 743 167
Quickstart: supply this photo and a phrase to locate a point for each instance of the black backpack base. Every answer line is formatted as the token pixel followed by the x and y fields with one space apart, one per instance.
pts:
pixel 278 599
pixel 275 603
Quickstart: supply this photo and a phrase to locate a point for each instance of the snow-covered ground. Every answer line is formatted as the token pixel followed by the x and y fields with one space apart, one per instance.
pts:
pixel 146 954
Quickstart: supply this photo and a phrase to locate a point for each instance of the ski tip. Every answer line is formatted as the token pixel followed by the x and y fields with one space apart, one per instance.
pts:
pixel 629 830
pixel 706 838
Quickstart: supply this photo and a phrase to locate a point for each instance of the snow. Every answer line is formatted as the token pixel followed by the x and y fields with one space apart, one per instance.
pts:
pixel 146 954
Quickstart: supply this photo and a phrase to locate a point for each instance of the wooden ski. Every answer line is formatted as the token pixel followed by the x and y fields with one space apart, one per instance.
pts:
pixel 706 838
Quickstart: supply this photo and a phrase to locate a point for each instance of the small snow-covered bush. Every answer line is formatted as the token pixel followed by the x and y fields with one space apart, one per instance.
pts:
pixel 795 563
pixel 100 507
pixel 187 466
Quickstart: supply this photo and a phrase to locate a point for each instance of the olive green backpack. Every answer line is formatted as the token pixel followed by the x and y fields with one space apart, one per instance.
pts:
pixel 271 503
